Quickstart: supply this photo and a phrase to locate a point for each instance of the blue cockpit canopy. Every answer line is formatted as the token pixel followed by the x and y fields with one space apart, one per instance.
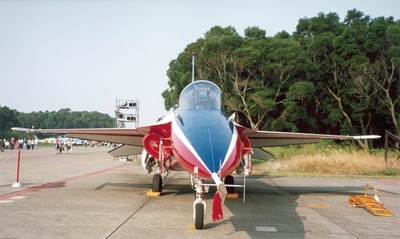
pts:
pixel 201 94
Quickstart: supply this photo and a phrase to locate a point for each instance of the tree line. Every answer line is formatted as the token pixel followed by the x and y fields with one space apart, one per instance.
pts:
pixel 327 77
pixel 62 119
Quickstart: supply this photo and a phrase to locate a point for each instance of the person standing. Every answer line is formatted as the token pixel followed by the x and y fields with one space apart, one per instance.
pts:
pixel 57 145
pixel 16 145
pixel 7 144
pixel 28 144
pixel 69 146
pixel 2 145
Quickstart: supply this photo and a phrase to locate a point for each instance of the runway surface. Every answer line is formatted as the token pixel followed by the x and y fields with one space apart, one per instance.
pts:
pixel 88 195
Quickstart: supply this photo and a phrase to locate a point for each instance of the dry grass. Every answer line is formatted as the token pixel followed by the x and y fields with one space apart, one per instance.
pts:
pixel 325 160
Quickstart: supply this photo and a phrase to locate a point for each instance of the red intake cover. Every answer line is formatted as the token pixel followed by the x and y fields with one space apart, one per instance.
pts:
pixel 246 144
pixel 151 143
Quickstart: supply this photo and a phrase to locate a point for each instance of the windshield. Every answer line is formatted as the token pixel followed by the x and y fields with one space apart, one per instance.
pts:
pixel 201 95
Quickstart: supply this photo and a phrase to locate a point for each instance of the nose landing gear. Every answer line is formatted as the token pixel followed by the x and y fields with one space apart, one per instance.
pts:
pixel 199 205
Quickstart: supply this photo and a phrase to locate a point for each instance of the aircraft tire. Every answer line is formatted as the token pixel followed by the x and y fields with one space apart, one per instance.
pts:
pixel 157 183
pixel 199 219
pixel 229 180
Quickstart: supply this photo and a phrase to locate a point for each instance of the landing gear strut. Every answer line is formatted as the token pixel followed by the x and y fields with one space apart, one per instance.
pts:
pixel 199 208
pixel 199 205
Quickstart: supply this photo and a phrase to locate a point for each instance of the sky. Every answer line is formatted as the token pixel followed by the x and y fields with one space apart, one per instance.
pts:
pixel 86 54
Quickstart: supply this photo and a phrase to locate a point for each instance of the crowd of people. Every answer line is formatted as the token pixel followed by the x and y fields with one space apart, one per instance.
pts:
pixel 25 143
pixel 59 144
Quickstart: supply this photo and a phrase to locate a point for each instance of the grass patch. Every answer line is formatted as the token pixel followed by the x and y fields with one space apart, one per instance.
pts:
pixel 391 172
pixel 327 159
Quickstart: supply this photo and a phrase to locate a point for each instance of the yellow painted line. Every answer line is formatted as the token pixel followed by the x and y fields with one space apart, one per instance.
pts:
pixel 32 171
pixel 63 165
pixel 318 205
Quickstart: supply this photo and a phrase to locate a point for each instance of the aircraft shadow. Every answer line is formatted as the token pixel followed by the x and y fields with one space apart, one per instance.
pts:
pixel 271 209
pixel 267 209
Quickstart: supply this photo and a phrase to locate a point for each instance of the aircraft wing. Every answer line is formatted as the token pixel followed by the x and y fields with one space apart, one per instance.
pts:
pixel 260 139
pixel 261 154
pixel 128 136
pixel 114 135
pixel 125 150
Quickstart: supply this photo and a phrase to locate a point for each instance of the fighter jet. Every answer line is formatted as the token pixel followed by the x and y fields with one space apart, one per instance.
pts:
pixel 200 138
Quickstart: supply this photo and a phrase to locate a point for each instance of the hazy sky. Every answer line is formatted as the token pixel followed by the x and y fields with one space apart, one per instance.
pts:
pixel 83 55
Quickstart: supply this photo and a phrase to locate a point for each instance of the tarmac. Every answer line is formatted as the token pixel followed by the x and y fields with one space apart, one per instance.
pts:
pixel 88 194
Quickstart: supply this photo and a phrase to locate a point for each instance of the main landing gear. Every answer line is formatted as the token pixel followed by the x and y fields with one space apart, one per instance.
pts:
pixel 149 164
pixel 156 188
pixel 157 183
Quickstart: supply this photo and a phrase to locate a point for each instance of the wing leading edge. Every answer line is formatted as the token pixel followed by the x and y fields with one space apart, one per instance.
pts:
pixel 130 138
pixel 260 139
pixel 114 135
pixel 126 136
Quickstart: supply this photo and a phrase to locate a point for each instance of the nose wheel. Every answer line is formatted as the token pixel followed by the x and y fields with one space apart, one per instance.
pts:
pixel 199 205
pixel 199 215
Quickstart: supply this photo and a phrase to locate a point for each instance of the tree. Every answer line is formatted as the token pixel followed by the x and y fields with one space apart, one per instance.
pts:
pixel 65 118
pixel 299 114
pixel 8 119
pixel 328 77
pixel 387 67
pixel 343 55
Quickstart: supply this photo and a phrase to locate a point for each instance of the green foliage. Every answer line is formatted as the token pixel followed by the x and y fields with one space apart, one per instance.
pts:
pixel 255 161
pixel 391 172
pixel 8 118
pixel 62 119
pixel 254 32
pixel 328 77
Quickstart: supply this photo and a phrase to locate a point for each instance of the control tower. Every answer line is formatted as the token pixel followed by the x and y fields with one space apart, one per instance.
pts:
pixel 126 113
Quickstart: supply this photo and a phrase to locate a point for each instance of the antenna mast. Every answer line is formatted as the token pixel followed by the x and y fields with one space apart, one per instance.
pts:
pixel 193 66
